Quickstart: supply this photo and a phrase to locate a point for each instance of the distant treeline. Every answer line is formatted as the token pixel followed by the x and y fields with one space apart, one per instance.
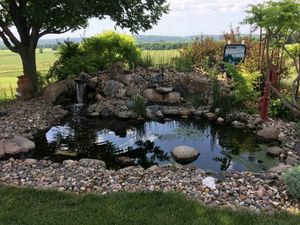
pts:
pixel 162 45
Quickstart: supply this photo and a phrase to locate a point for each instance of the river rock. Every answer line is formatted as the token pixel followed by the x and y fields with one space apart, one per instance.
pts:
pixel 268 134
pixel 238 124
pixel 171 111
pixel 198 113
pixel 114 89
pixel 164 90
pixel 280 169
pixel 184 154
pixel 211 116
pixel 220 120
pixel 275 151
pixel 153 96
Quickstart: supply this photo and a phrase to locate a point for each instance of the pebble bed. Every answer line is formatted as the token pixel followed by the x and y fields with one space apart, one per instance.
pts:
pixel 257 192
pixel 26 118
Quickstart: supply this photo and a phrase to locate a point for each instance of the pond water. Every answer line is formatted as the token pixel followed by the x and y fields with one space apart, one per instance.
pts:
pixel 150 143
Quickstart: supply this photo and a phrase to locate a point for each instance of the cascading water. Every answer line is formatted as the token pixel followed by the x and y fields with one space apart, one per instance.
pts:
pixel 80 89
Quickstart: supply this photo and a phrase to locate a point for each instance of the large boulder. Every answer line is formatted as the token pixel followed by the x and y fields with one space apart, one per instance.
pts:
pixel 114 89
pixel 184 154
pixel 60 91
pixel 268 134
pixel 172 98
pixel 153 96
pixel 18 145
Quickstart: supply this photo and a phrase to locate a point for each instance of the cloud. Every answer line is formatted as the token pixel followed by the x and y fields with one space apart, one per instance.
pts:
pixel 210 6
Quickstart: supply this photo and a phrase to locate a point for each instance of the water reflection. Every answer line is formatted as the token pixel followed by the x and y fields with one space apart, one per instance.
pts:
pixel 150 143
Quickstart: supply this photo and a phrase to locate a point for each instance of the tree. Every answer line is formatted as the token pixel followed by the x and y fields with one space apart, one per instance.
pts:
pixel 35 18
pixel 281 22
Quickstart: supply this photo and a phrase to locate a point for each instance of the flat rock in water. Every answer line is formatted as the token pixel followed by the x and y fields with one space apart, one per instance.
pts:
pixel 275 151
pixel 184 154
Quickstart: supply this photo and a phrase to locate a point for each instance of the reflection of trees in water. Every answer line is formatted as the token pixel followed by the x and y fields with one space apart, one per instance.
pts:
pixel 147 154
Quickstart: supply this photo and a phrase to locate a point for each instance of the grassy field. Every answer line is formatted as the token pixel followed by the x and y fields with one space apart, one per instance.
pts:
pixel 11 66
pixel 160 57
pixel 31 207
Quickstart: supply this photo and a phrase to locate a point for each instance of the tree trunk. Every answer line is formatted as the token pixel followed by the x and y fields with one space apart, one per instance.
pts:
pixel 29 66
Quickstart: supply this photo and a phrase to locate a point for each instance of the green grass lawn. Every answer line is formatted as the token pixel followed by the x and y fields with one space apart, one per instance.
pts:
pixel 31 207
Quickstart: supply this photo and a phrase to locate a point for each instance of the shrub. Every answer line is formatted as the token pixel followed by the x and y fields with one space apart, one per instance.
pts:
pixel 110 47
pixel 139 105
pixel 244 84
pixel 292 181
pixel 184 62
pixel 94 54
pixel 278 110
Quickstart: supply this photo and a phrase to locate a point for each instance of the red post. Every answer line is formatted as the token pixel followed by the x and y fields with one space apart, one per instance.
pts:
pixel 265 102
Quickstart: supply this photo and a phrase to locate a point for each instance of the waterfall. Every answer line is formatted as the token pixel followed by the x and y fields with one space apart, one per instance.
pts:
pixel 80 90
pixel 80 87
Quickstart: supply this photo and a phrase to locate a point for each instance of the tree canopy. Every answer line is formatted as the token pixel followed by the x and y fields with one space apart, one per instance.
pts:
pixel 281 22
pixel 36 18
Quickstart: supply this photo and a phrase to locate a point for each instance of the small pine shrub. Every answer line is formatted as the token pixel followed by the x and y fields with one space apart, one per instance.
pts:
pixel 139 105
pixel 292 181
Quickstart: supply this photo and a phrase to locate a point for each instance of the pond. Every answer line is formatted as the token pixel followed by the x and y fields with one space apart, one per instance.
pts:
pixel 150 143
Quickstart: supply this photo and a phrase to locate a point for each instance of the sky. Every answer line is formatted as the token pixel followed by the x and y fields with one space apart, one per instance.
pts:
pixel 186 17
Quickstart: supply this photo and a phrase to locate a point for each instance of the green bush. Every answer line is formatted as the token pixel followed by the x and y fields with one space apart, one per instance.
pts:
pixel 184 62
pixel 94 54
pixel 278 110
pixel 244 84
pixel 110 47
pixel 292 181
